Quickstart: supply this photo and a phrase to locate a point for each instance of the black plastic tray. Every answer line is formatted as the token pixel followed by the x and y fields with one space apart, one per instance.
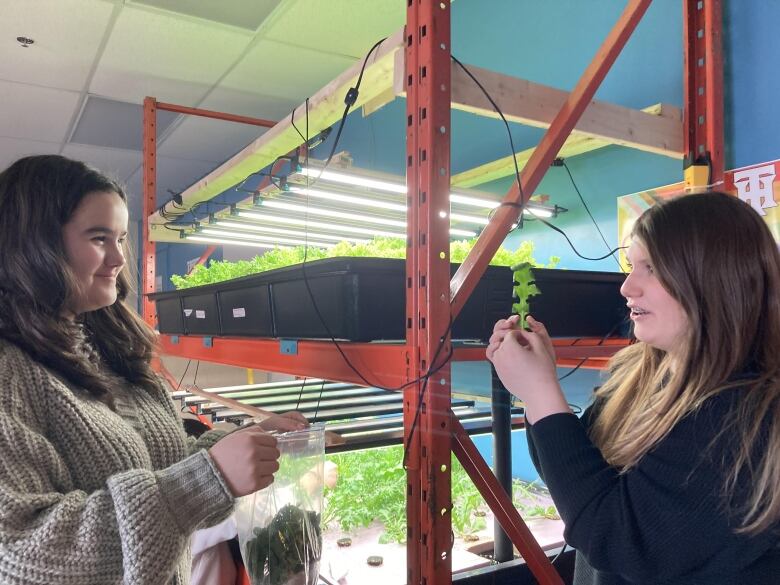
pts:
pixel 580 303
pixel 359 299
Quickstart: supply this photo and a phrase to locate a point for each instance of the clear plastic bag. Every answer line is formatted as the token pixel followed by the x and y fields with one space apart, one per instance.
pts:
pixel 279 527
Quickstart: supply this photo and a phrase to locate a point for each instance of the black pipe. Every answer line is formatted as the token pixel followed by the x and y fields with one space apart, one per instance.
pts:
pixel 502 460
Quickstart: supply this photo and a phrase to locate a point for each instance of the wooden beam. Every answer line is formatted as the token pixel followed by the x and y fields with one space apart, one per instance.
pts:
pixel 576 144
pixel 325 108
pixel 534 104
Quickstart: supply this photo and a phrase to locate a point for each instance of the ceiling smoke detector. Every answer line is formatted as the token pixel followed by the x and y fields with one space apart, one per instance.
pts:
pixel 25 41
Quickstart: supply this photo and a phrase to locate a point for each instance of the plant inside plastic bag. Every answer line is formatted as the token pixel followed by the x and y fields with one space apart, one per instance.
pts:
pixel 279 527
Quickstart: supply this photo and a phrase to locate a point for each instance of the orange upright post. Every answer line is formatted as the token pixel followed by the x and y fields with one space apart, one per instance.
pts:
pixel 149 204
pixel 427 402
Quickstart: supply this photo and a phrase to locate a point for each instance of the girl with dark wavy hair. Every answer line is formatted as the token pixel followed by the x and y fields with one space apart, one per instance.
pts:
pixel 672 475
pixel 98 484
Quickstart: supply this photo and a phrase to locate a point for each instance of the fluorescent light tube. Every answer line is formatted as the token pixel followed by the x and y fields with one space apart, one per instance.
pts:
pixel 259 238
pixel 364 201
pixel 208 240
pixel 275 230
pixel 354 180
pixel 318 224
pixel 273 204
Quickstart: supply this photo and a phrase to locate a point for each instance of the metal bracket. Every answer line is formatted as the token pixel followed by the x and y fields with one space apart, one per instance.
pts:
pixel 288 346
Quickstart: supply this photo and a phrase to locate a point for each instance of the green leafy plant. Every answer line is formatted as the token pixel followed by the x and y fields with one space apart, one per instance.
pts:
pixel 532 500
pixel 371 487
pixel 524 288
pixel 379 247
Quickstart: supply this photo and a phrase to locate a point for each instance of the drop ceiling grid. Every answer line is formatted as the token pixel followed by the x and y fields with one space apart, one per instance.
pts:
pixel 175 59
pixel 35 113
pixel 14 148
pixel 238 13
pixel 67 36
pixel 175 174
pixel 245 103
pixel 279 70
pixel 114 161
pixel 344 27
pixel 207 139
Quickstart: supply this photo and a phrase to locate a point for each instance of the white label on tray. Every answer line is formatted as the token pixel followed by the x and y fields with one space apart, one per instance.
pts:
pixel 239 312
pixel 187 312
pixel 199 314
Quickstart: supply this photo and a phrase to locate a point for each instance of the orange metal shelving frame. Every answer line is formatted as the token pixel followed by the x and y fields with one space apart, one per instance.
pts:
pixel 432 299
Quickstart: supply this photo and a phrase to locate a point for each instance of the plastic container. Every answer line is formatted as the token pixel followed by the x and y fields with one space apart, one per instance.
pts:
pixel 279 527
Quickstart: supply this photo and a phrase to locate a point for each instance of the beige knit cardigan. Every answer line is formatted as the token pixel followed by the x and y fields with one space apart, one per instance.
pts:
pixel 91 496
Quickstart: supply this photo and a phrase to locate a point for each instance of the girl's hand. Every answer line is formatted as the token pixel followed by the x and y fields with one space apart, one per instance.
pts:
pixel 247 459
pixel 289 421
pixel 525 363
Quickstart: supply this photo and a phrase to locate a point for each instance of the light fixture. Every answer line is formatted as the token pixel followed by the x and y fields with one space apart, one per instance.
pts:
pixel 464 233
pixel 470 218
pixel 209 240
pixel 273 204
pixel 341 197
pixel 353 180
pixel 391 187
pixel 349 229
pixel 253 227
pixel 338 227
pixel 540 212
pixel 258 238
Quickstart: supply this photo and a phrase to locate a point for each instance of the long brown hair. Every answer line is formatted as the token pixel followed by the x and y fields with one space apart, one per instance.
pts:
pixel 718 259
pixel 38 195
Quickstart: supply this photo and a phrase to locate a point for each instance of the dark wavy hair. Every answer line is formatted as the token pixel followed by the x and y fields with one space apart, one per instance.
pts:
pixel 38 195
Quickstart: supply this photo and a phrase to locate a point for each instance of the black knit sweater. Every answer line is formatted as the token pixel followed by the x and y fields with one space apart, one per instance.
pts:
pixel 661 523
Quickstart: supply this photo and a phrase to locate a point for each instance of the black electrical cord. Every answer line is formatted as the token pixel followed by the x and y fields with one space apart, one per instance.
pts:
pixel 560 552
pixel 560 231
pixel 319 397
pixel 300 393
pixel 521 206
pixel 433 368
pixel 508 131
pixel 587 209
pixel 601 342
pixel 349 101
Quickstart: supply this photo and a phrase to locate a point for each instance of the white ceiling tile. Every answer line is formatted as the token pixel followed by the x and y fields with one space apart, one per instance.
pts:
pixel 115 124
pixel 266 70
pixel 240 13
pixel 112 161
pixel 67 35
pixel 174 59
pixel 207 139
pixel 176 174
pixel 244 103
pixel 344 27
pixel 36 113
pixel 12 149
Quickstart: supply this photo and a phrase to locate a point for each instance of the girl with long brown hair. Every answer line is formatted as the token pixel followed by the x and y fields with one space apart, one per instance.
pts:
pixel 98 484
pixel 672 475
